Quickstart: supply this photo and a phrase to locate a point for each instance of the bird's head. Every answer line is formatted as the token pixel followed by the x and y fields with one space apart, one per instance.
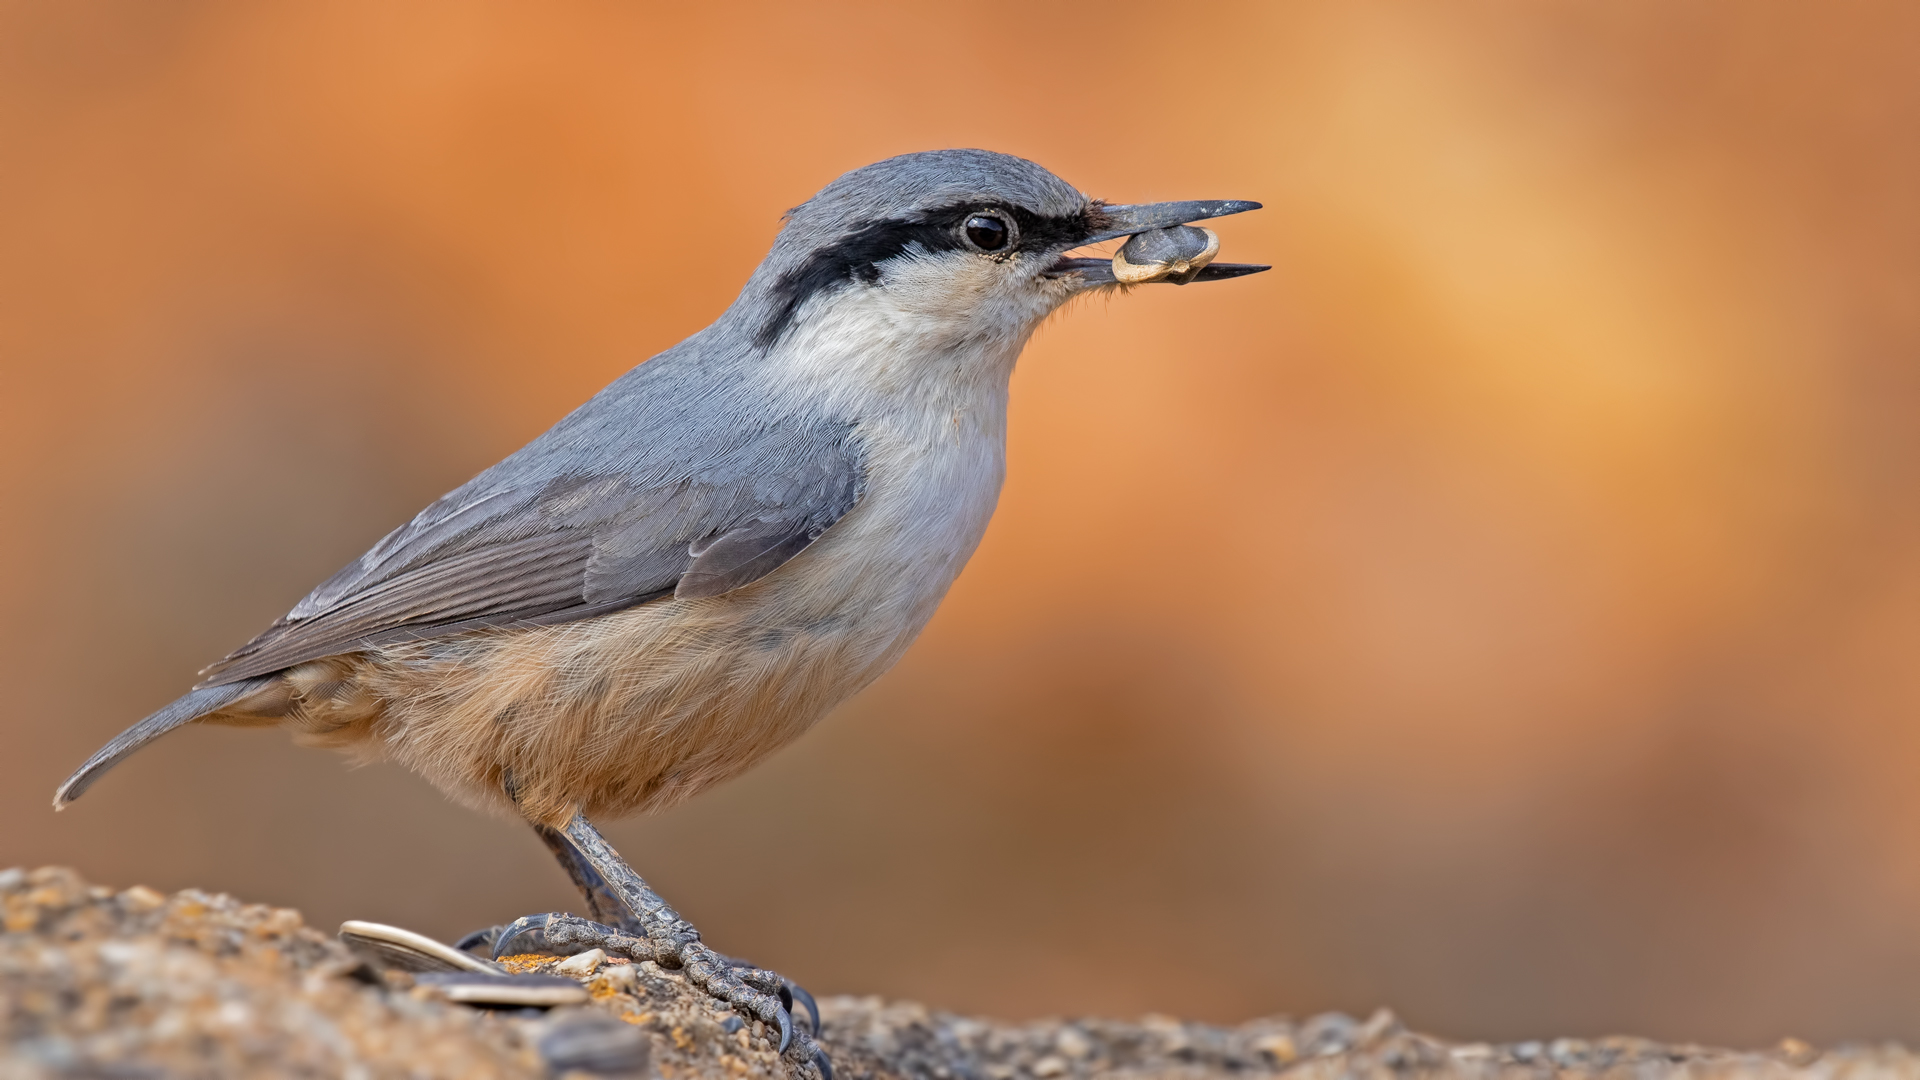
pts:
pixel 947 246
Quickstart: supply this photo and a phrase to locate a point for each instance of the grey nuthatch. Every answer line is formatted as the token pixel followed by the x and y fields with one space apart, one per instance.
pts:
pixel 689 570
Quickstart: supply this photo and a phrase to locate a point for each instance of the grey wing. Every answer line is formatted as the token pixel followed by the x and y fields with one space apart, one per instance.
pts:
pixel 566 548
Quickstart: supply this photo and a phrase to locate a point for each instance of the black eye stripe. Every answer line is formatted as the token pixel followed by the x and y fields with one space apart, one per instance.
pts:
pixel 857 256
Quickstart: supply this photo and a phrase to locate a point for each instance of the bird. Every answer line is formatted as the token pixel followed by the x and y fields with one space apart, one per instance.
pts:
pixel 686 572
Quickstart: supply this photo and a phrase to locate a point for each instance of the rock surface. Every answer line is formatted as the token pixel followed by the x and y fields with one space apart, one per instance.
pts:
pixel 98 983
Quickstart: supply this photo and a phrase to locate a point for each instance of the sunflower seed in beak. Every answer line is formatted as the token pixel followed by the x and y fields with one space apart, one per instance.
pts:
pixel 1174 255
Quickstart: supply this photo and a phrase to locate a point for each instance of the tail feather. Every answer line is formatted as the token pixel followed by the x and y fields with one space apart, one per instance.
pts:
pixel 184 710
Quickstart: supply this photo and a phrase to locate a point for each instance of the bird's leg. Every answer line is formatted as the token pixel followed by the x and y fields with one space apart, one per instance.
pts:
pixel 631 920
pixel 613 909
pixel 603 906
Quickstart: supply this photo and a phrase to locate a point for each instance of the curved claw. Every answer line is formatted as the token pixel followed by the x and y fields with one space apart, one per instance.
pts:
pixel 786 1031
pixel 525 924
pixel 774 982
pixel 820 1061
pixel 792 991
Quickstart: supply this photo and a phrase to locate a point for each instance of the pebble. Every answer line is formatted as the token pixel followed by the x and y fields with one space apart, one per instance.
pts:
pixel 1796 1051
pixel 1073 1044
pixel 1567 1053
pixel 1378 1026
pixel 620 978
pixel 1171 1033
pixel 1051 1065
pixel 1279 1047
pixel 581 965
pixel 140 899
pixel 1328 1034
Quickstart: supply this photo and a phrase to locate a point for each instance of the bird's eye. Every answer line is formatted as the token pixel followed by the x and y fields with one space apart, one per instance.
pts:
pixel 986 232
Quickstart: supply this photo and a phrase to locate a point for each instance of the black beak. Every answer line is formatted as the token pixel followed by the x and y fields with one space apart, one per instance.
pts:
pixel 1111 222
pixel 1116 221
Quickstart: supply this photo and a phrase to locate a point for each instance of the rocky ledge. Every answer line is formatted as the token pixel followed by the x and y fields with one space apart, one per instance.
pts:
pixel 99 983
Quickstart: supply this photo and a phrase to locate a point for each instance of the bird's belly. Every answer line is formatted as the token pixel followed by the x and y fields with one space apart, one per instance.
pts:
pixel 639 709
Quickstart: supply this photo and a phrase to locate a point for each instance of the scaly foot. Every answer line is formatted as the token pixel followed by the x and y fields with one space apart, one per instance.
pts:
pixel 648 929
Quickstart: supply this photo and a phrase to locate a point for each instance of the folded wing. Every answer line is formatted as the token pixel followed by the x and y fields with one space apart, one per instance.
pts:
pixel 551 543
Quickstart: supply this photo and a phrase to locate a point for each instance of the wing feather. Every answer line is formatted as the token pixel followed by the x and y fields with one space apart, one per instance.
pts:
pixel 527 550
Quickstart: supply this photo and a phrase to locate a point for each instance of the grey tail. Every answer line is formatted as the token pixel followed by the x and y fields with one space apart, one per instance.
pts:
pixel 184 710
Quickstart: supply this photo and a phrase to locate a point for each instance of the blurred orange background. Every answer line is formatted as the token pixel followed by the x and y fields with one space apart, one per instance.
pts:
pixel 1507 610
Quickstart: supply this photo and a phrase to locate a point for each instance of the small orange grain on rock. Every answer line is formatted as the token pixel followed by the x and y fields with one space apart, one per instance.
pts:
pixel 523 963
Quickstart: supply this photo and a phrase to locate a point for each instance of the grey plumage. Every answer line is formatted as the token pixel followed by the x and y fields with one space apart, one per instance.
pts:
pixel 601 511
